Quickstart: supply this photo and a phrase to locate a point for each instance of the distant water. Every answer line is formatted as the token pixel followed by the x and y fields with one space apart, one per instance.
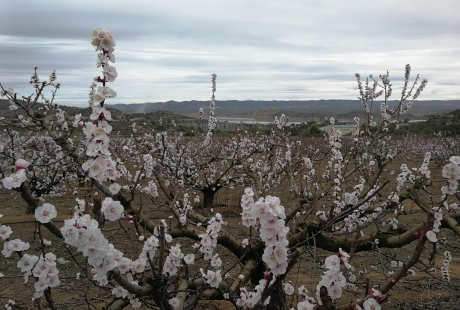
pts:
pixel 244 120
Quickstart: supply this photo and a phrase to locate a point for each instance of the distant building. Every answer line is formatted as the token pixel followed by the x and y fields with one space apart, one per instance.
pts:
pixel 344 129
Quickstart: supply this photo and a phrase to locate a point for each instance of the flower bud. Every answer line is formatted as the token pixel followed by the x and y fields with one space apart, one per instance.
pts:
pixel 21 164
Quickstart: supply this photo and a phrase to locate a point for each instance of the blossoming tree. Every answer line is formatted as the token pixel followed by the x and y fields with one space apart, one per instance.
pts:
pixel 341 189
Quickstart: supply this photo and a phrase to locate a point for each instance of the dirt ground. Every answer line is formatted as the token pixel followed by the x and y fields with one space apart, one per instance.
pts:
pixel 425 290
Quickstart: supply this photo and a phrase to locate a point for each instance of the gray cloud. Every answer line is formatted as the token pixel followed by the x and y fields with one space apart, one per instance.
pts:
pixel 301 49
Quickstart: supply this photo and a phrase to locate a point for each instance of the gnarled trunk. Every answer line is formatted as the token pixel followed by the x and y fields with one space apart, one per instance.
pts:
pixel 208 199
pixel 277 298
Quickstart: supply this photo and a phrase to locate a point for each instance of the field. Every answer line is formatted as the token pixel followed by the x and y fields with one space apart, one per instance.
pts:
pixel 424 290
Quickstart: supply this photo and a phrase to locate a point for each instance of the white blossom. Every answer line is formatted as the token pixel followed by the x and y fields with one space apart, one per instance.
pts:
pixel 45 213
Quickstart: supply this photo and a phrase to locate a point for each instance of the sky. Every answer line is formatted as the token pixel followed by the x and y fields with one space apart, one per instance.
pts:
pixel 259 49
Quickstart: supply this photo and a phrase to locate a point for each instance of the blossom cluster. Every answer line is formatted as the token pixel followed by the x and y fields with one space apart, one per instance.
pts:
pixel 280 122
pixel 445 266
pixel 404 176
pixel 451 172
pixel 213 278
pixel 83 233
pixel 424 167
pixel 212 121
pixel 308 304
pixel 151 189
pixel 333 279
pixel 249 299
pixel 272 229
pixel 431 234
pixel 173 260
pixel 103 41
pixel 183 209
pixel 16 179
pixel 148 165
pixel 367 92
pixel 100 165
pixel 45 271
pixel 120 292
pixel 209 240
pixel 15 245
pixel 43 268
pixel 247 203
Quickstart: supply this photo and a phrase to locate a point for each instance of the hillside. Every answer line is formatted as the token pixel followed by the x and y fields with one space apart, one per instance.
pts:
pixel 301 109
pixel 448 124
pixel 70 111
pixel 440 115
pixel 120 120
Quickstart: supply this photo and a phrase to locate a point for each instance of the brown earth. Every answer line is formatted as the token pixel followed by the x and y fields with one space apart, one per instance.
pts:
pixel 422 291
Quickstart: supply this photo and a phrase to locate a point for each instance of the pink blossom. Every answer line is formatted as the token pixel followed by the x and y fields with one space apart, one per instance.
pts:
pixel 216 262
pixel 431 236
pixel 371 304
pixel 5 232
pixel 333 262
pixel 27 262
pixel 114 188
pixel 288 289
pixel 21 164
pixel 174 302
pixel 112 209
pixel 189 259
pixel 15 180
pixel 45 213
pixel 455 160
pixel 7 250
pixel 17 245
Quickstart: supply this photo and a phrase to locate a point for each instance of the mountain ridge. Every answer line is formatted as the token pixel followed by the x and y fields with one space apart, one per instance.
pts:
pixel 300 108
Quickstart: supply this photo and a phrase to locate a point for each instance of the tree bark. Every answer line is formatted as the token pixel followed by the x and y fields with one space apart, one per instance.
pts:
pixel 325 299
pixel 208 199
pixel 277 298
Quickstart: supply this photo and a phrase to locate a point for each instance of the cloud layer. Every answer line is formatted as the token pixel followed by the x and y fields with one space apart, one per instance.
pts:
pixel 167 50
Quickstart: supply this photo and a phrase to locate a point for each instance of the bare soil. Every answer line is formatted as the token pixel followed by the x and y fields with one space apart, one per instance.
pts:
pixel 425 290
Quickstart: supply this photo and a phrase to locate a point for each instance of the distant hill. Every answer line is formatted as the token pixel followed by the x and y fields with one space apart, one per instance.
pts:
pixel 120 120
pixel 263 109
pixel 448 123
pixel 70 111
pixel 440 116
pixel 258 109
pixel 298 108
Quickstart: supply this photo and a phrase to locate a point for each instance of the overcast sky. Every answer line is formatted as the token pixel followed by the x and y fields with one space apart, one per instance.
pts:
pixel 259 49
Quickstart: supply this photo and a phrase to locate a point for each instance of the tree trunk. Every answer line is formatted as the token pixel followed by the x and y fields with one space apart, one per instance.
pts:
pixel 325 299
pixel 277 298
pixel 208 199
